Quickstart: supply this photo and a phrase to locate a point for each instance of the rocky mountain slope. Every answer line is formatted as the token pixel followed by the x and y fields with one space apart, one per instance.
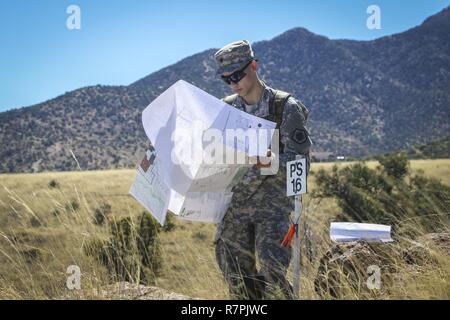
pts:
pixel 365 97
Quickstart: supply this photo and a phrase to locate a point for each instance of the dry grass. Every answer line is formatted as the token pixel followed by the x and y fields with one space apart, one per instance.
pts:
pixel 439 168
pixel 43 228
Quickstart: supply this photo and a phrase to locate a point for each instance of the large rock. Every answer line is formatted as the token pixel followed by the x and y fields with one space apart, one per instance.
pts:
pixel 427 249
pixel 128 291
pixel 346 269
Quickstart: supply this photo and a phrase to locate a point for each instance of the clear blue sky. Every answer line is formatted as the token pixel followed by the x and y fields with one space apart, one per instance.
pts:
pixel 123 41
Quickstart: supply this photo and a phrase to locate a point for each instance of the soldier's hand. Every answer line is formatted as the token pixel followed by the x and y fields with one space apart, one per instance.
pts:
pixel 266 163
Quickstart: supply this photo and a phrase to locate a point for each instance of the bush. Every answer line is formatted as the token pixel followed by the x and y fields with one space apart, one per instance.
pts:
pixel 199 236
pixel 395 165
pixel 72 206
pixel 32 255
pixel 148 243
pixel 169 225
pixel 35 222
pixel 131 254
pixel 53 184
pixel 101 214
pixel 387 195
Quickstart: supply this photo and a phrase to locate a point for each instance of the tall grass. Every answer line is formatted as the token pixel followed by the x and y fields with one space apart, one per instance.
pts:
pixel 44 226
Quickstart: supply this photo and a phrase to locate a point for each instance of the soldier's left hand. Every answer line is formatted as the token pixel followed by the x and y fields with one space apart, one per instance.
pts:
pixel 266 163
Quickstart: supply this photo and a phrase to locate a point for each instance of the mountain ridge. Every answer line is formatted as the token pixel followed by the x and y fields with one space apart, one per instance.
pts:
pixel 365 97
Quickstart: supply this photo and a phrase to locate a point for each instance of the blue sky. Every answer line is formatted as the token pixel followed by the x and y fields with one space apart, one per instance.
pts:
pixel 122 41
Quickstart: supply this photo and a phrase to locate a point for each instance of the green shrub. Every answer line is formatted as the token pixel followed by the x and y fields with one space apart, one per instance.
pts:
pixel 72 206
pixel 387 195
pixel 169 225
pixel 32 255
pixel 101 214
pixel 395 165
pixel 131 253
pixel 148 243
pixel 53 184
pixel 199 236
pixel 35 222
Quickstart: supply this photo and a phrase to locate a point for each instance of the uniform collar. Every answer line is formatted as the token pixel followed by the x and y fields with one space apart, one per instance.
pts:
pixel 262 106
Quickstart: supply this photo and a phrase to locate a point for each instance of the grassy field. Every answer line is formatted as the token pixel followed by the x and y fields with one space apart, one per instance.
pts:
pixel 43 228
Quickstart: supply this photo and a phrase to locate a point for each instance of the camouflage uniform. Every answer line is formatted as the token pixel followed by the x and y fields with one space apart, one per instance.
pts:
pixel 258 216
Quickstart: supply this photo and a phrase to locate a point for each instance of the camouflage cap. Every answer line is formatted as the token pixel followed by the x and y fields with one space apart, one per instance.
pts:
pixel 234 56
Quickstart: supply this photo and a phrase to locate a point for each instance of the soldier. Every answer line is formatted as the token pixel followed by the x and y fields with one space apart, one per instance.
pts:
pixel 259 213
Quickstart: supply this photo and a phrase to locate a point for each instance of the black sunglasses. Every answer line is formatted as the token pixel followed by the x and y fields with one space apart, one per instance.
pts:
pixel 236 76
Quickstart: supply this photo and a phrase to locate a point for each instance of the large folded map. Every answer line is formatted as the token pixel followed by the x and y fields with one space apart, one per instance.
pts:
pixel 174 174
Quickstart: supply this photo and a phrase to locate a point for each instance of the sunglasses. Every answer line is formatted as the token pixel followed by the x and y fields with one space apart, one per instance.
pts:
pixel 236 76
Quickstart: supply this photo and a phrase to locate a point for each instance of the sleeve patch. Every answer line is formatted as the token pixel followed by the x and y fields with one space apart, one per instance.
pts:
pixel 299 136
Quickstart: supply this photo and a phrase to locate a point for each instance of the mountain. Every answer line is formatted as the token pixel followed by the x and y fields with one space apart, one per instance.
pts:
pixel 437 149
pixel 365 98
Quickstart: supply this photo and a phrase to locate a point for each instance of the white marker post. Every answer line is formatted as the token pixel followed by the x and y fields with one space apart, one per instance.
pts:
pixel 296 185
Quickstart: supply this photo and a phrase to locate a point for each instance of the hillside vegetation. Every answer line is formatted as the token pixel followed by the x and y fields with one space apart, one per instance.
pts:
pixel 365 98
pixel 47 220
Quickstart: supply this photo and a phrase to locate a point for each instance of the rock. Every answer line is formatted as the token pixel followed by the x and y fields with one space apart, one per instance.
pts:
pixel 346 267
pixel 426 249
pixel 128 291
pixel 440 240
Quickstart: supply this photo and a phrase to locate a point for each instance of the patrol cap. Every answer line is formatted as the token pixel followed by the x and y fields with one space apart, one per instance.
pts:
pixel 234 56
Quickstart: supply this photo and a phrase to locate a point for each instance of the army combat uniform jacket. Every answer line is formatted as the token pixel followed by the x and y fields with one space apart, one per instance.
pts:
pixel 294 140
pixel 258 216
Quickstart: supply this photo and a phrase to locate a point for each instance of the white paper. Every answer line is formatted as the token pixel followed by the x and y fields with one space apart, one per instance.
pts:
pixel 175 122
pixel 205 206
pixel 350 231
pixel 241 120
pixel 296 182
pixel 149 187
